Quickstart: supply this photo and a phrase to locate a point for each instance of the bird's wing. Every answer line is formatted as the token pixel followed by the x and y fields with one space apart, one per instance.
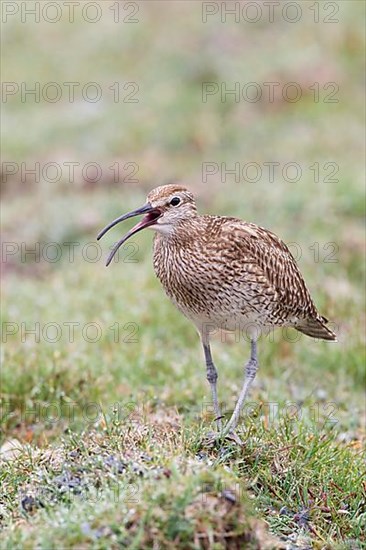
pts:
pixel 271 264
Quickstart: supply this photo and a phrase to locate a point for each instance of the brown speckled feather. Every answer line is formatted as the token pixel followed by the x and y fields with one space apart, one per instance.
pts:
pixel 232 273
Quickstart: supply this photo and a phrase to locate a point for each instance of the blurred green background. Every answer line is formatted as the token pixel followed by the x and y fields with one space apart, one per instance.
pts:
pixel 163 61
pixel 170 133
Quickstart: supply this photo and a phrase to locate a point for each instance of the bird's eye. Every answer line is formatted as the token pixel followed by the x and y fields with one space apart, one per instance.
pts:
pixel 175 201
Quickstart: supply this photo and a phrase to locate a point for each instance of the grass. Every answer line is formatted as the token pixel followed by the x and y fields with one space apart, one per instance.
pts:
pixel 104 442
pixel 79 409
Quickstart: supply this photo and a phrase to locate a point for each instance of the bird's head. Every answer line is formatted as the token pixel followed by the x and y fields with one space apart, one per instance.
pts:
pixel 165 207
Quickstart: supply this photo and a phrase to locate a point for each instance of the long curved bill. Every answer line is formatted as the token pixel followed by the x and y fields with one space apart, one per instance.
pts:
pixel 151 215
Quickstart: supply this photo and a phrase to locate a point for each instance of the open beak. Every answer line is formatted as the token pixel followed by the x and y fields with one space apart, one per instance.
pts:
pixel 151 215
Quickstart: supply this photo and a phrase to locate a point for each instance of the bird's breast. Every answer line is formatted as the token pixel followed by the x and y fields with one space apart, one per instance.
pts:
pixel 201 282
pixel 183 275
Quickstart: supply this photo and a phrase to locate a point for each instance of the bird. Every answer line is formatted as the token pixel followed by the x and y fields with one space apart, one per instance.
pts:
pixel 224 273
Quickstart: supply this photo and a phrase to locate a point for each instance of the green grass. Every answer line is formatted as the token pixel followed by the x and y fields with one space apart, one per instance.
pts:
pixel 109 438
pixel 301 470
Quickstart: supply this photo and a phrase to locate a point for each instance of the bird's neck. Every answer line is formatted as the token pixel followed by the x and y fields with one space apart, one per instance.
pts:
pixel 177 233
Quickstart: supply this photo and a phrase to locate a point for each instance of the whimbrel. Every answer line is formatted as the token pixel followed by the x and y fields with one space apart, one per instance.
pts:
pixel 224 273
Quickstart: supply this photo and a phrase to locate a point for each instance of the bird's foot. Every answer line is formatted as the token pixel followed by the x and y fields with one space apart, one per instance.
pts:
pixel 213 439
pixel 233 436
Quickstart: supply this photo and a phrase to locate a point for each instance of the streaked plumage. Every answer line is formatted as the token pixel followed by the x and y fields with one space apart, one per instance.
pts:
pixel 225 273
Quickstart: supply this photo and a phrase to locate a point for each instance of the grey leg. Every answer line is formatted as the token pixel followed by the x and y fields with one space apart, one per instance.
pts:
pixel 250 372
pixel 212 378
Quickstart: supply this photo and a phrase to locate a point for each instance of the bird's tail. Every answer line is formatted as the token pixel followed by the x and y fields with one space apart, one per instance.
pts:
pixel 316 328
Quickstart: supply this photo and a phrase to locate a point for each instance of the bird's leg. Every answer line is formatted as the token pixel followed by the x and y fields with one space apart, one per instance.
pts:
pixel 212 378
pixel 250 372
